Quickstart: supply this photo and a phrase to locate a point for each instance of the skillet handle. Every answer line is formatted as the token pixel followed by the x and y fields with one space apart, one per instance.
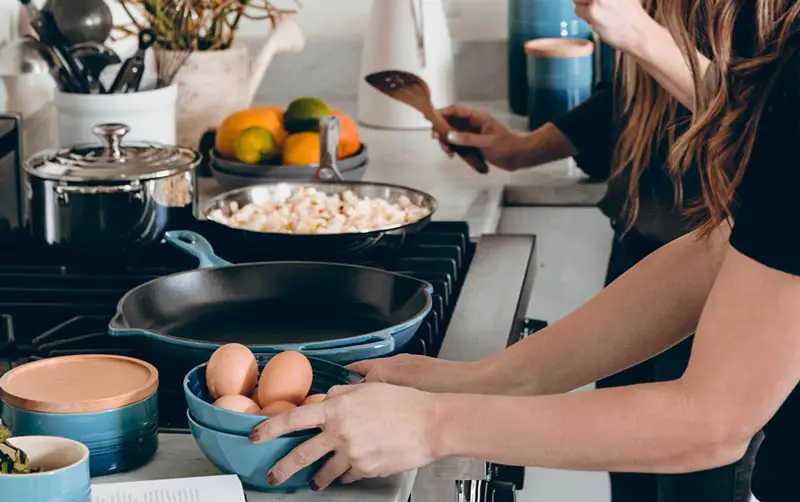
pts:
pixel 195 245
pixel 382 345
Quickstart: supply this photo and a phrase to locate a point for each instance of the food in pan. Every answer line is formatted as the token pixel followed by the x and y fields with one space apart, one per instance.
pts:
pixel 310 211
pixel 12 459
pixel 284 383
pixel 232 369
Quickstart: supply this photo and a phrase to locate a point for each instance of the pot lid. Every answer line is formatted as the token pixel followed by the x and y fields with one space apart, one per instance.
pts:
pixel 79 384
pixel 113 161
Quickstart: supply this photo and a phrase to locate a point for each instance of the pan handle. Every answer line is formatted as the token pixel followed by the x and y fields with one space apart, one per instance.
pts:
pixel 379 346
pixel 197 246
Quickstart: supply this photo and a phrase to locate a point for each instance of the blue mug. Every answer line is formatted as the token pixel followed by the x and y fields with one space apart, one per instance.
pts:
pixel 65 475
pixel 560 77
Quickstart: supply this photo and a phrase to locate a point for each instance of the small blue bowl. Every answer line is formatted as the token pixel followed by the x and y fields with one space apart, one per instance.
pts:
pixel 65 477
pixel 234 454
pixel 119 440
pixel 326 375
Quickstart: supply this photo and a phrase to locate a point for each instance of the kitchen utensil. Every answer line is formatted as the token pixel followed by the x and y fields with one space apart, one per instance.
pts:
pixel 112 198
pixel 109 403
pixel 413 91
pixel 94 57
pixel 358 312
pixel 149 114
pixel 234 454
pixel 44 26
pixel 409 35
pixel 82 20
pixel 65 476
pixel 201 404
pixel 130 74
pixel 168 64
pixel 479 490
pixel 316 245
pixel 30 73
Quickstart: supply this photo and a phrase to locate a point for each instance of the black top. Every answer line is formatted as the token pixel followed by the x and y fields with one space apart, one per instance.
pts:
pixel 764 225
pixel 594 130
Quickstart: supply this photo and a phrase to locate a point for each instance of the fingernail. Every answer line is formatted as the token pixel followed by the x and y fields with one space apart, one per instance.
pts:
pixel 253 436
pixel 271 479
pixel 452 137
pixel 313 485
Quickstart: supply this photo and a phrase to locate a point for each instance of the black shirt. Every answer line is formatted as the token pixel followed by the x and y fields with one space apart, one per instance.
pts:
pixel 594 128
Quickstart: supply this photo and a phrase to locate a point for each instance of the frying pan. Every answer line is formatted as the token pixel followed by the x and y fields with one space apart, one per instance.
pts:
pixel 328 180
pixel 341 313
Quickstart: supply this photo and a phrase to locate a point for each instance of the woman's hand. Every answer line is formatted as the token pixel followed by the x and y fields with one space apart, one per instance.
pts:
pixel 500 146
pixel 423 373
pixel 373 430
pixel 623 24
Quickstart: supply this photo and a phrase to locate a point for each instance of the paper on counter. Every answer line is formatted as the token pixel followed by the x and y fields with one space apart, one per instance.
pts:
pixel 200 489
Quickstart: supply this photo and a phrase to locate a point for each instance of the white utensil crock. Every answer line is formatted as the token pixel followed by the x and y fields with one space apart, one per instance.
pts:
pixel 149 114
pixel 413 36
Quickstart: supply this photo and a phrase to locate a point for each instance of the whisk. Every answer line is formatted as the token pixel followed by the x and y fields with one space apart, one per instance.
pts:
pixel 168 63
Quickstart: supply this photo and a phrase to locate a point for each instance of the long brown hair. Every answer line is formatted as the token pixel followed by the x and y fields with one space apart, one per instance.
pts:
pixel 727 113
pixel 648 114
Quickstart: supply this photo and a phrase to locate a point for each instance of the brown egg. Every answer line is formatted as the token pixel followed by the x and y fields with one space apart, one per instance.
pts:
pixel 276 408
pixel 313 398
pixel 286 377
pixel 237 403
pixel 232 369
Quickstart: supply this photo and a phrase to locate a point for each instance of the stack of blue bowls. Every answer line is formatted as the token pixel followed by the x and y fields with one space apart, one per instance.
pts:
pixel 222 435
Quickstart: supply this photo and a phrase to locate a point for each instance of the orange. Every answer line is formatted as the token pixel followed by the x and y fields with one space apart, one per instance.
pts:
pixel 350 141
pixel 268 117
pixel 301 149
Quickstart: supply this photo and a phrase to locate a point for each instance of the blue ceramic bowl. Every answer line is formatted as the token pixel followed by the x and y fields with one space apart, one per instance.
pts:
pixel 65 477
pixel 119 440
pixel 326 375
pixel 234 454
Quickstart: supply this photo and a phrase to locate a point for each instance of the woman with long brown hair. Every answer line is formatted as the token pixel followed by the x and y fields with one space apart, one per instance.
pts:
pixel 734 281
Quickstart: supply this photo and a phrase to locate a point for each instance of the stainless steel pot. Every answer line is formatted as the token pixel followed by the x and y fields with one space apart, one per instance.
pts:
pixel 110 198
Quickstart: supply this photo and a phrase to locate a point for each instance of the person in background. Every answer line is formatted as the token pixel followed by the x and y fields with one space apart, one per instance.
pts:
pixel 623 134
pixel 734 280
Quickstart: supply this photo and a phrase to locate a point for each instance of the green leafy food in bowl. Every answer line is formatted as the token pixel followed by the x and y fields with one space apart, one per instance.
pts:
pixel 12 459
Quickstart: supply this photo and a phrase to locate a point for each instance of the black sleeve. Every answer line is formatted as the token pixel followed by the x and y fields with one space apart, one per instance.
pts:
pixel 589 127
pixel 765 219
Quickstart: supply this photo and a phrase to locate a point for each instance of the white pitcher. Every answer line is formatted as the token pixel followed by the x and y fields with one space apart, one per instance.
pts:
pixel 413 36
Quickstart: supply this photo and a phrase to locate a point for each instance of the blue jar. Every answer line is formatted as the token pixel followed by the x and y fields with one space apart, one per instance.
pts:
pixel 531 19
pixel 560 77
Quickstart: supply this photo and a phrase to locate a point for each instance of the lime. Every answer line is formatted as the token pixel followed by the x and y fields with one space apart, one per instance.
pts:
pixel 303 114
pixel 255 145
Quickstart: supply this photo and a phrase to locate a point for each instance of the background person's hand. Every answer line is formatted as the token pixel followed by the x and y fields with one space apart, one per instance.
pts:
pixel 423 373
pixel 623 24
pixel 500 146
pixel 373 430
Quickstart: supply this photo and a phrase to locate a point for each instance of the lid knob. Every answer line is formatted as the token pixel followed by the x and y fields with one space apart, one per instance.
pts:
pixel 111 137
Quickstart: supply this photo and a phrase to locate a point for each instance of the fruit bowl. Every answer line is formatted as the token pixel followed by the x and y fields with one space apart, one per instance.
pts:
pixel 284 172
pixel 326 375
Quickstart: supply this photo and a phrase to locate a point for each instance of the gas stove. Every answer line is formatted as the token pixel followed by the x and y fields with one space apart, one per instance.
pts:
pixel 50 307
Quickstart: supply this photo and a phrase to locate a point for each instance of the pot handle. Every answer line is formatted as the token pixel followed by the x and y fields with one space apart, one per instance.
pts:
pixel 378 346
pixel 134 186
pixel 197 246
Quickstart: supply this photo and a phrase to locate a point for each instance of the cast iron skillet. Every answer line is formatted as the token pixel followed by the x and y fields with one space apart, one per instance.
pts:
pixel 341 313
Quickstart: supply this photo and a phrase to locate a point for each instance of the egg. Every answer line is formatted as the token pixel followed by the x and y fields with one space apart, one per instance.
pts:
pixel 313 398
pixel 276 408
pixel 232 369
pixel 237 403
pixel 286 377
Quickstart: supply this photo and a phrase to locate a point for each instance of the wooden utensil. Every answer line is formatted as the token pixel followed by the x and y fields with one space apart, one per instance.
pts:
pixel 413 91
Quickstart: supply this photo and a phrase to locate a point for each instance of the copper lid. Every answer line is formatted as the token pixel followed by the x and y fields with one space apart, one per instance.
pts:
pixel 79 384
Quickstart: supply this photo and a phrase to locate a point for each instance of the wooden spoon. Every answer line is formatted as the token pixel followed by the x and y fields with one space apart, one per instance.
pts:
pixel 413 91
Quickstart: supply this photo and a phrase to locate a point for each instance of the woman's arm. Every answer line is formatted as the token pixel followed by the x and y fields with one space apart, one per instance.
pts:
pixel 745 362
pixel 647 310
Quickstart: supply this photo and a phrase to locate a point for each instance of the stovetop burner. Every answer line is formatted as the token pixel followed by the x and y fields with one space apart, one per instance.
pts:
pixel 49 308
